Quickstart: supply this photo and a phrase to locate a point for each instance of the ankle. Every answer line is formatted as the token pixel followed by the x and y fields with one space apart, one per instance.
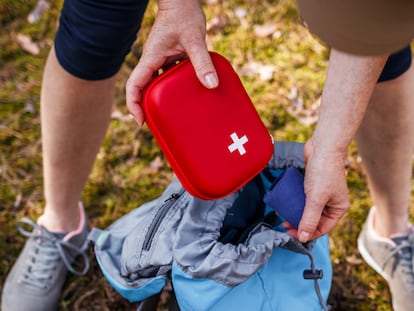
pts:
pixel 391 226
pixel 61 221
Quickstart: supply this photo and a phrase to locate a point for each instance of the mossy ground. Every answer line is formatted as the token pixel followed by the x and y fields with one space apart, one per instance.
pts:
pixel 130 168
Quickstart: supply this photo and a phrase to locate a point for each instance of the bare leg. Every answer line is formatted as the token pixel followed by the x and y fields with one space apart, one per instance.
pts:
pixel 75 115
pixel 385 141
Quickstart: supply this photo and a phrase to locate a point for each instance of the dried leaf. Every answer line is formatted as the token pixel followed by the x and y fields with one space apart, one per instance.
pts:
pixel 305 114
pixel 263 31
pixel 266 72
pixel 41 7
pixel 353 260
pixel 27 44
pixel 156 164
pixel 240 12
pixel 252 68
pixel 217 23
pixel 277 34
pixel 29 107
pixel 118 115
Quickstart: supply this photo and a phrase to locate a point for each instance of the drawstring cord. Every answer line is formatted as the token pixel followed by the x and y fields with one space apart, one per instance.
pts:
pixel 314 274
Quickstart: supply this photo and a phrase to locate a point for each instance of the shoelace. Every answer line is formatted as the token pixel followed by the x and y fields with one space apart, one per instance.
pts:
pixel 50 249
pixel 403 254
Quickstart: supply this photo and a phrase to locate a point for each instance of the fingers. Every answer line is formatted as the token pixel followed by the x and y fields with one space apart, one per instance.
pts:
pixel 321 215
pixel 309 222
pixel 326 191
pixel 139 77
pixel 312 223
pixel 143 73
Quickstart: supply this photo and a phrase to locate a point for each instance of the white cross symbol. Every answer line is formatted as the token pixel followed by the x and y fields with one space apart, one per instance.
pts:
pixel 238 143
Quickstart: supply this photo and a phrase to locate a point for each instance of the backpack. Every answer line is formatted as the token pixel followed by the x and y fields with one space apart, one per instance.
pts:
pixel 225 254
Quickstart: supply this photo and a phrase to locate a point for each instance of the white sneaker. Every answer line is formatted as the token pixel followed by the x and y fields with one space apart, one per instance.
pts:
pixel 392 258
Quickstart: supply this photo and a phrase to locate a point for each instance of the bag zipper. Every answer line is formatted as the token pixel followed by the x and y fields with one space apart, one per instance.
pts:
pixel 159 216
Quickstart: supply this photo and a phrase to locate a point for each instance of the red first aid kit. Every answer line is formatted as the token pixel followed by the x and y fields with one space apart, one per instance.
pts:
pixel 213 139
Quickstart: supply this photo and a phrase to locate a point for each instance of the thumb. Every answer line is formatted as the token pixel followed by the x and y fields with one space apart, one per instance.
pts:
pixel 309 222
pixel 203 65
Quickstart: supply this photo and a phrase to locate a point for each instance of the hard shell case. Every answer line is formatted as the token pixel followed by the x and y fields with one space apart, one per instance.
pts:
pixel 213 139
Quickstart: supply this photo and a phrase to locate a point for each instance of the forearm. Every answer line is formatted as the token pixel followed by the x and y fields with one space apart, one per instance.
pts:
pixel 349 84
pixel 178 4
pixel 348 88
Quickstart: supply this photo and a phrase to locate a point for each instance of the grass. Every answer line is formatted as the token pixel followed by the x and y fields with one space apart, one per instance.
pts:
pixel 130 169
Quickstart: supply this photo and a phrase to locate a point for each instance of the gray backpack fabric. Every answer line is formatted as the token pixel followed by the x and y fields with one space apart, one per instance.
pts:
pixel 226 254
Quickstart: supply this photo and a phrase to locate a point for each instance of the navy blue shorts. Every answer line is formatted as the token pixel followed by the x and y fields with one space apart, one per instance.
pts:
pixel 94 36
pixel 396 65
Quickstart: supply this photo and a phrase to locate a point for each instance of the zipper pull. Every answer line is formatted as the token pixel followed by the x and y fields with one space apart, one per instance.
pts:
pixel 174 196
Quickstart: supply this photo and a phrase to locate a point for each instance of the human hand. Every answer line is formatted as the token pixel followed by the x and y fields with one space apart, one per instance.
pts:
pixel 345 97
pixel 326 193
pixel 179 30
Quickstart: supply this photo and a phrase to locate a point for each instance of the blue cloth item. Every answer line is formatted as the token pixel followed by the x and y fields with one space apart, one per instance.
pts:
pixel 94 36
pixel 287 196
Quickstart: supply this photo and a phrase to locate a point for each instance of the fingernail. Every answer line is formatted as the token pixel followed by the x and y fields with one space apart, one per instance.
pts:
pixel 304 236
pixel 211 80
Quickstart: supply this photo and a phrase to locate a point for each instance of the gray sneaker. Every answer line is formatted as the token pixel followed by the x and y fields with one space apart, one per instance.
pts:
pixel 37 277
pixel 393 260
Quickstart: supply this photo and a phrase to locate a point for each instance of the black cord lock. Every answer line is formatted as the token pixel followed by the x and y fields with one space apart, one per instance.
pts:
pixel 312 275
